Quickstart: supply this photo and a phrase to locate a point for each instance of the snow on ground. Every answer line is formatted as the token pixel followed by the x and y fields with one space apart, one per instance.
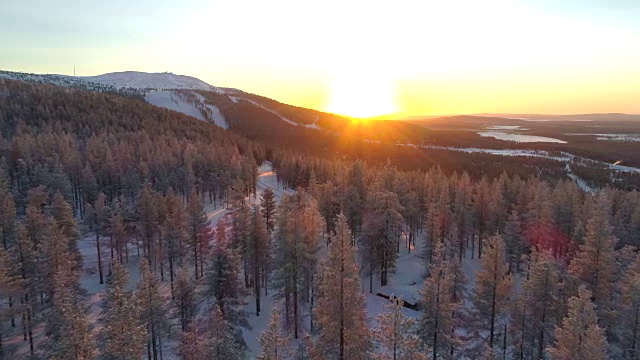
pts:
pixel 273 112
pixel 89 280
pixel 172 101
pixel 406 281
pixel 215 114
pixel 314 125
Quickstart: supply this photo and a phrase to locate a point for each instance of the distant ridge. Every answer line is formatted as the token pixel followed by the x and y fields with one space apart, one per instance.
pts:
pixel 537 117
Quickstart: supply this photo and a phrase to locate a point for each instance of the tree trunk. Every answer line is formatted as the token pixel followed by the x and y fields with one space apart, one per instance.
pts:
pixel 99 257
pixel 171 274
pixel 195 254
pixel 256 280
pixel 295 304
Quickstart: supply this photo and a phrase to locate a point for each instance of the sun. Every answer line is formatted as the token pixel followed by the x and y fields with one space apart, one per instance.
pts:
pixel 362 96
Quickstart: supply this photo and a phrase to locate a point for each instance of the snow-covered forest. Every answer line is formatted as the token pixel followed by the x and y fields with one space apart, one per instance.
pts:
pixel 131 232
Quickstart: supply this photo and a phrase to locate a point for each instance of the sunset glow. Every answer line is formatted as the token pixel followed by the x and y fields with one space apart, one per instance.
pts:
pixel 356 58
pixel 362 97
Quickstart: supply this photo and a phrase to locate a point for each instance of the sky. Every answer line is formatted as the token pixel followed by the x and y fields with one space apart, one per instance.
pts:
pixel 358 58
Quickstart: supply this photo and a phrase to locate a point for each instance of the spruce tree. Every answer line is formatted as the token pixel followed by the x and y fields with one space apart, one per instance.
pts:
pixel 98 213
pixel 184 298
pixel 268 208
pixel 199 233
pixel 594 265
pixel 10 288
pixel 381 235
pixel 628 325
pixel 395 335
pixel 579 336
pixel 440 302
pixel 62 214
pixel 257 253
pixel 513 238
pixel 224 343
pixel 152 311
pixel 123 334
pixel 225 288
pixel 340 312
pixel 174 233
pixel 493 288
pixel 7 218
pixel 275 344
pixel 296 242
pixel 194 342
pixel 69 321
pixel 536 307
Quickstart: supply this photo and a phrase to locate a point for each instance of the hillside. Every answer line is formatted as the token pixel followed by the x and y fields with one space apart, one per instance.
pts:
pixel 477 143
pixel 118 200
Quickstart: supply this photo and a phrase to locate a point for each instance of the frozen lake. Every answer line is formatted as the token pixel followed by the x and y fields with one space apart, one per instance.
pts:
pixel 521 138
pixel 611 137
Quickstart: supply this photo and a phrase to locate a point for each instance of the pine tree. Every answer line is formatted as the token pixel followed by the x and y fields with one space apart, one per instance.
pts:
pixel 353 208
pixel 10 286
pixel 513 240
pixel 579 337
pixel 240 238
pixel 119 233
pixel 257 253
pixel 69 321
pixel 340 313
pixel 225 287
pixel 7 218
pixel 98 213
pixel 63 216
pixel 29 271
pixel 184 298
pixel 441 301
pixel 328 206
pixel 536 308
pixel 199 232
pixel 296 241
pixel 148 220
pixel 493 288
pixel 53 252
pixel 194 342
pixel 225 342
pixel 122 331
pixel 629 324
pixel 594 265
pixel 275 344
pixel 395 335
pixel 174 233
pixel 152 311
pixel 268 208
pixel 381 235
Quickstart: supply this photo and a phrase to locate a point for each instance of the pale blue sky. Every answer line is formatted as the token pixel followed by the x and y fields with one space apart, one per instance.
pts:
pixel 296 51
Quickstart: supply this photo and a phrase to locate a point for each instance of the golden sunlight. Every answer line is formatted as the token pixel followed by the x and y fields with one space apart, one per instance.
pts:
pixel 362 96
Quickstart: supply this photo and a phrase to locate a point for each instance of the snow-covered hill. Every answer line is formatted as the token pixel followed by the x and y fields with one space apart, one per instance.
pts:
pixel 166 90
pixel 143 80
